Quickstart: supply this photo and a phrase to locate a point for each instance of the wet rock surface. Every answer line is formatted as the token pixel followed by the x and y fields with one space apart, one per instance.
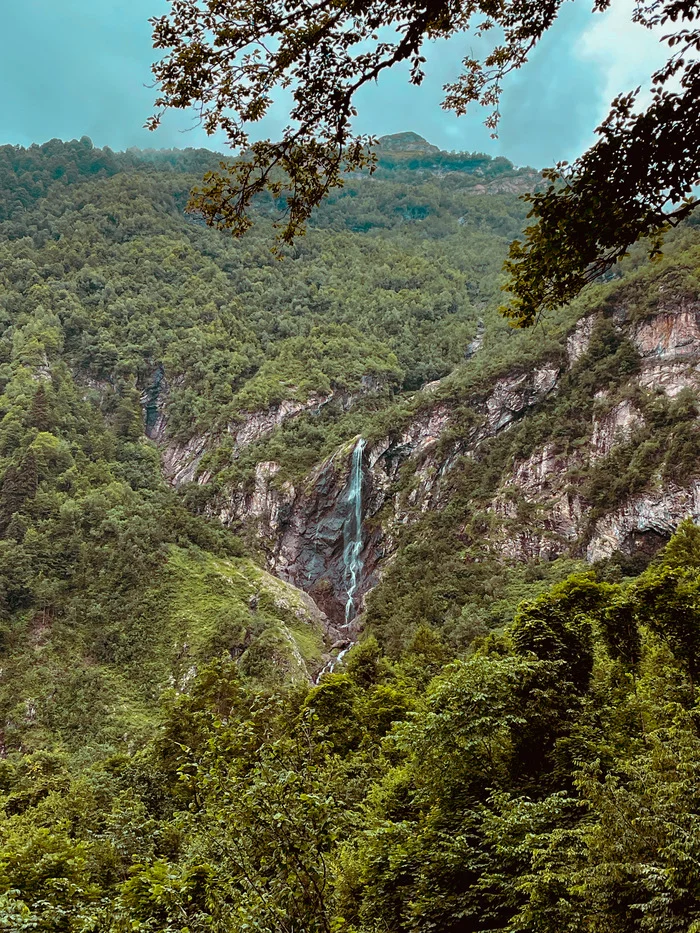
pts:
pixel 301 529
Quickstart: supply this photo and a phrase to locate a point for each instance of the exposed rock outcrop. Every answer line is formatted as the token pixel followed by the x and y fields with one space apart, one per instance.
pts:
pixel 579 339
pixel 476 344
pixel 539 511
pixel 668 343
pixel 181 459
pixel 301 528
pixel 653 516
pixel 515 184
pixel 513 394
pixel 539 515
pixel 612 428
pixel 254 425
pixel 670 334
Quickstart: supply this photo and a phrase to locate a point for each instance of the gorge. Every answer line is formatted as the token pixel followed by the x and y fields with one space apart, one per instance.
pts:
pixel 329 601
pixel 310 523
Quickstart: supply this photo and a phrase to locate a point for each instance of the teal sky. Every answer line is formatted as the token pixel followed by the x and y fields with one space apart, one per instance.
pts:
pixel 81 67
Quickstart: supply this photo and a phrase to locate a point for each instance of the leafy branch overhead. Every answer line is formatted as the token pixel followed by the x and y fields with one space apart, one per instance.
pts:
pixel 229 59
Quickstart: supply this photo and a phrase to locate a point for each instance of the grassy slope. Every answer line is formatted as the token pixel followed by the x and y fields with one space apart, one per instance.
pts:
pixel 198 606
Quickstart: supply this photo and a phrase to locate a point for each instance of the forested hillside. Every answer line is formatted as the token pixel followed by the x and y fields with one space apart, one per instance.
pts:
pixel 328 601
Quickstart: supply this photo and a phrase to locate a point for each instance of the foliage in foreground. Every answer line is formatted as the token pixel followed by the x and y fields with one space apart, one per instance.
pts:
pixel 546 782
pixel 634 182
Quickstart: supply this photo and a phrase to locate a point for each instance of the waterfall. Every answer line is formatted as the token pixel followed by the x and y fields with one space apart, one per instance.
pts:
pixel 330 665
pixel 352 549
pixel 352 532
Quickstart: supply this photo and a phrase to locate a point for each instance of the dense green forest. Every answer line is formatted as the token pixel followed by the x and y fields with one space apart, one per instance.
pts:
pixel 546 782
pixel 105 282
pixel 510 746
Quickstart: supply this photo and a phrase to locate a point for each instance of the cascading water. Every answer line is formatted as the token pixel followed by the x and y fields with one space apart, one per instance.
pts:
pixel 352 549
pixel 352 532
pixel 330 666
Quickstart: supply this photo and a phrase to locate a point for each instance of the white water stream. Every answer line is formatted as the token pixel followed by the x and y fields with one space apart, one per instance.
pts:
pixel 352 532
pixel 329 666
pixel 352 548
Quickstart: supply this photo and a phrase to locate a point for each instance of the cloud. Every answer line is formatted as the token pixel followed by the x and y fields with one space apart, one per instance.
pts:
pixel 623 52
pixel 81 68
pixel 549 108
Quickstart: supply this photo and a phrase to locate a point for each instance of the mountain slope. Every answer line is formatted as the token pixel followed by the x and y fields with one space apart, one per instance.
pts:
pixel 121 317
pixel 328 602
pixel 581 443
pixel 254 377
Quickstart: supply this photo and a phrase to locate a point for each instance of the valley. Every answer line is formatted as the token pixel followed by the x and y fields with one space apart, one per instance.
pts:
pixel 328 600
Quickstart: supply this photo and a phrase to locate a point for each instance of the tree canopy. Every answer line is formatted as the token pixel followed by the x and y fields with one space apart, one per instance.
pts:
pixel 227 58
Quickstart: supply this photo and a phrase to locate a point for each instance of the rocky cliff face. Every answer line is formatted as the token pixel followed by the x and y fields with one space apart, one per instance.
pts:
pixel 301 529
pixel 181 460
pixel 539 511
pixel 668 344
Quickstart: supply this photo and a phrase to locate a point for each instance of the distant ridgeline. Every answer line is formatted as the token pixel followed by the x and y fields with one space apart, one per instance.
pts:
pixel 26 175
pixel 409 151
pixel 29 174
